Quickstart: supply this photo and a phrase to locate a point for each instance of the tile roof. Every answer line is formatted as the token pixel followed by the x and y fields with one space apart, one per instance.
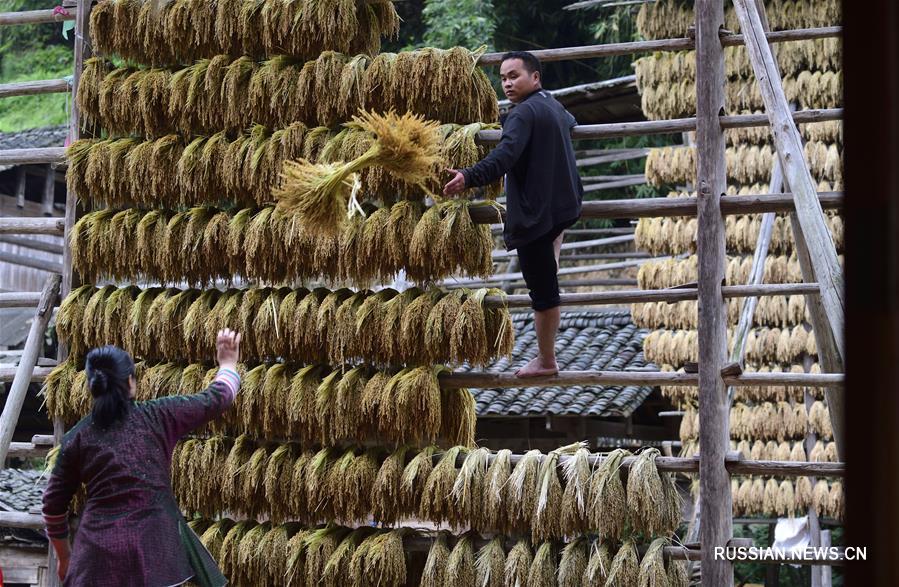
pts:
pixel 587 341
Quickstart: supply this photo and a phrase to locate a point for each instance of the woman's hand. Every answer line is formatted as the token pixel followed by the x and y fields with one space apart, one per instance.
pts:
pixel 227 346
pixel 62 568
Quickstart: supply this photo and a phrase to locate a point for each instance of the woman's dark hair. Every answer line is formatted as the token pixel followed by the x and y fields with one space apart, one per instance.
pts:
pixel 108 369
pixel 531 63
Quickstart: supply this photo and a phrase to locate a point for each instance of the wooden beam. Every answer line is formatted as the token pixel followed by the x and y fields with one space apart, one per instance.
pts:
pixel 600 267
pixel 668 207
pixel 31 243
pixel 33 17
pixel 25 299
pixel 38 376
pixel 32 156
pixel 54 226
pixel 610 185
pixel 484 380
pixel 575 245
pixel 680 44
pixel 21 520
pixel 612 157
pixel 29 261
pixel 27 450
pixel 671 295
pixel 47 86
pixel 25 370
pixel 674 126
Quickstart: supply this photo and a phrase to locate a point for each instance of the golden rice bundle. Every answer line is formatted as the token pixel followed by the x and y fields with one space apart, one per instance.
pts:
pixel 518 564
pixel 521 490
pixel 576 470
pixel 600 562
pixel 490 564
pixel 653 505
pixel 608 511
pixel 407 146
pixel 228 94
pixel 652 567
pixel 289 395
pixel 460 566
pixel 434 572
pixel 495 505
pixel 261 244
pixel 543 568
pixel 182 31
pixel 573 563
pixel 625 566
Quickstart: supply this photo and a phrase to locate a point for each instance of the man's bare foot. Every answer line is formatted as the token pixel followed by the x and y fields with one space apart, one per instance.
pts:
pixel 536 367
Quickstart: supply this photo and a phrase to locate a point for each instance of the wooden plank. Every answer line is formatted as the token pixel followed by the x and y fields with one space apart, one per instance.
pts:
pixel 31 243
pixel 668 207
pixel 600 267
pixel 47 86
pixel 21 520
pixel 610 185
pixel 680 44
pixel 611 157
pixel 714 480
pixel 32 156
pixel 34 17
pixel 52 226
pixel 29 261
pixel 24 299
pixel 27 450
pixel 25 370
pixel 674 126
pixel 672 295
pixel 788 143
pixel 484 380
pixel 575 245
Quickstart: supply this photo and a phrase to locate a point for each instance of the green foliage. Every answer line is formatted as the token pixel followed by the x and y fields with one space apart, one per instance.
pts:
pixel 617 24
pixel 466 23
pixel 27 53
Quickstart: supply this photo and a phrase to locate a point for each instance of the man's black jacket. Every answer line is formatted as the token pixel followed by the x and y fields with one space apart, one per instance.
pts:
pixel 543 188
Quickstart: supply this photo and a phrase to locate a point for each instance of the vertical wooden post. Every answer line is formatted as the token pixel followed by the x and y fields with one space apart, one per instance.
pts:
pixel 716 502
pixel 826 571
pixel 20 186
pixel 814 526
pixel 49 191
pixel 16 396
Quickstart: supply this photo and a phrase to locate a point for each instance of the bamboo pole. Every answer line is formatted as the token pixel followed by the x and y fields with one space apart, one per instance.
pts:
pixel 30 243
pixel 38 375
pixel 484 380
pixel 32 156
pixel 47 86
pixel 29 261
pixel 681 44
pixel 574 245
pixel 25 370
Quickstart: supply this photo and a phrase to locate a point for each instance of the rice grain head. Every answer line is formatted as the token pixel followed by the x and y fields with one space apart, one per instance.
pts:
pixel 490 563
pixel 434 573
pixel 574 563
pixel 518 565
pixel 625 567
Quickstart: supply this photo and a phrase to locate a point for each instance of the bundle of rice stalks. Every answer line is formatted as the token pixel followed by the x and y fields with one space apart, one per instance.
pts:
pixel 406 146
pixel 227 94
pixel 434 572
pixel 521 491
pixel 182 31
pixel 495 505
pixel 599 565
pixel 574 563
pixel 576 470
pixel 546 522
pixel 518 565
pixel 490 564
pixel 652 567
pixel 437 499
pixel 649 501
pixel 543 568
pixel 415 478
pixel 607 506
pixel 625 567
pixel 468 488
pixel 264 245
pixel 381 560
pixel 460 566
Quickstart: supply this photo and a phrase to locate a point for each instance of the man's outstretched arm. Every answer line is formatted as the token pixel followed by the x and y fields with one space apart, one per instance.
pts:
pixel 516 133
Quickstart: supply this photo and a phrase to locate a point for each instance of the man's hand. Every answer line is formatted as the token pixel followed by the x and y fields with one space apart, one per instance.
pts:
pixel 228 348
pixel 456 184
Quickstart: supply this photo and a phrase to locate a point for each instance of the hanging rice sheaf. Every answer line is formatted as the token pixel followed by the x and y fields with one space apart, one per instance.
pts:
pixel 301 403
pixel 284 481
pixel 323 195
pixel 160 324
pixel 227 94
pixel 675 236
pixel 746 164
pixel 172 171
pixel 667 19
pixel 181 31
pixel 201 245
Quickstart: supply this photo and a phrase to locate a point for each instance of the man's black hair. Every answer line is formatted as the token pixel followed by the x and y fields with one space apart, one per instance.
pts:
pixel 531 63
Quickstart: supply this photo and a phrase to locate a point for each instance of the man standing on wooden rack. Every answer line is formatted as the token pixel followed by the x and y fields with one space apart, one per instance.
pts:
pixel 543 192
